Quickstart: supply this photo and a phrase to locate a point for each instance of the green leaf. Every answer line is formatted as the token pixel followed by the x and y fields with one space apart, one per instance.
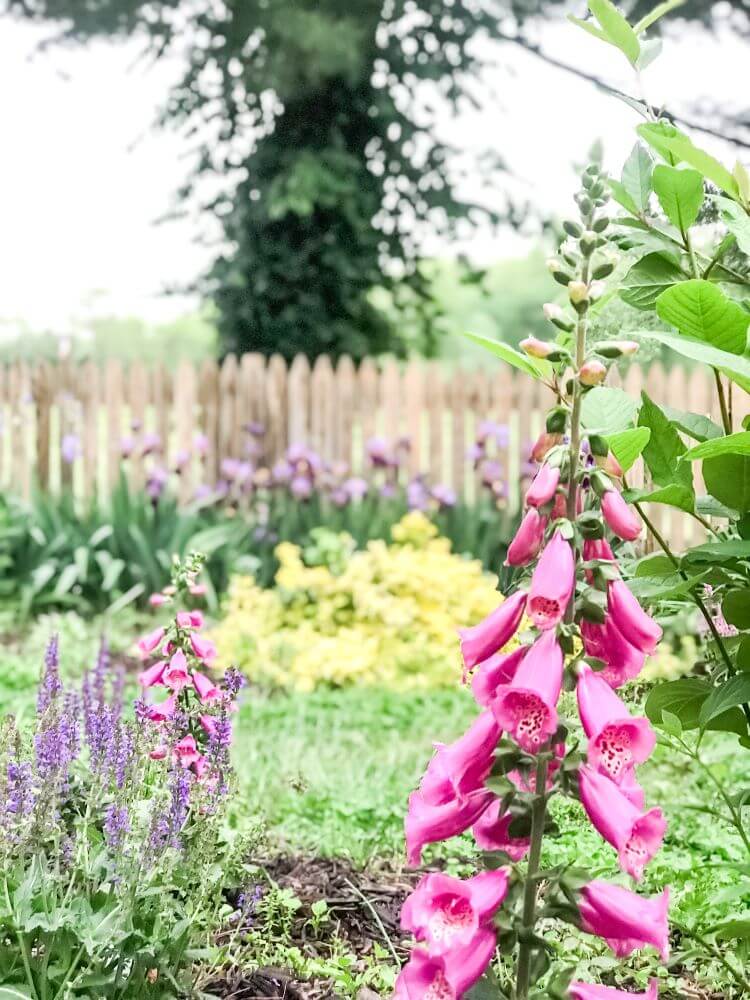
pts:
pixel 695 425
pixel 659 11
pixel 673 144
pixel 732 444
pixel 622 197
pixel 15 993
pixel 652 589
pixel 627 445
pixel 737 221
pixel 727 477
pixel 736 608
pixel 734 692
pixel 648 278
pixel 702 311
pixel 636 177
pixel 665 447
pixel 536 367
pixel 608 410
pixel 617 30
pixel 680 194
pixel 683 698
pixel 588 26
pixel 734 366
pixel 728 930
pixel 675 495
pixel 719 552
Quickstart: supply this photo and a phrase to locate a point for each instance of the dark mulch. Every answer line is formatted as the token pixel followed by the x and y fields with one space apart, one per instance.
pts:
pixel 363 909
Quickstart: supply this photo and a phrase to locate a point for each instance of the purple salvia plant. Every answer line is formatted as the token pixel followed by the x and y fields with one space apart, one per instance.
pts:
pixel 51 685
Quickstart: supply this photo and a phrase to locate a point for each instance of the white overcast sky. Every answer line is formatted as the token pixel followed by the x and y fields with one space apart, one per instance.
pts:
pixel 83 177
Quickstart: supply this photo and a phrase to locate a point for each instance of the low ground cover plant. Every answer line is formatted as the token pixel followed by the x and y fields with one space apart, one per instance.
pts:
pixel 383 615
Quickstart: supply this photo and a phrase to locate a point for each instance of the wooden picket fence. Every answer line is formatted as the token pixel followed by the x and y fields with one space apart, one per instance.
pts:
pixel 333 409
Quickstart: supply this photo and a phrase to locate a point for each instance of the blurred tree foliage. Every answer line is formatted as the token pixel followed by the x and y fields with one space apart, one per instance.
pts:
pixel 316 117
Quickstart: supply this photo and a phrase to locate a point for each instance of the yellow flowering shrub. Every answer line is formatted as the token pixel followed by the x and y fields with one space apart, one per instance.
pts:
pixel 389 618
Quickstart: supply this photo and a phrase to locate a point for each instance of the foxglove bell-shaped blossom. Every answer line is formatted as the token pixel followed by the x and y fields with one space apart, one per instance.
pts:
pixel 552 583
pixel 636 835
pixel 624 919
pixel 204 649
pixel 446 913
pixel 631 620
pixel 491 833
pixel 597 548
pixel 186 751
pixel 176 674
pixel 590 991
pixel 207 690
pixel 617 740
pixel 527 707
pixel 152 675
pixel 606 642
pixel 459 768
pixel 620 516
pixel 151 641
pixel 492 673
pixel 445 977
pixel 528 539
pixel 163 710
pixel 427 823
pixel 542 490
pixel 482 640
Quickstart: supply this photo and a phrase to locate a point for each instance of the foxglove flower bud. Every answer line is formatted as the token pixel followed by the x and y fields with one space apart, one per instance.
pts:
pixel 592 373
pixel 620 516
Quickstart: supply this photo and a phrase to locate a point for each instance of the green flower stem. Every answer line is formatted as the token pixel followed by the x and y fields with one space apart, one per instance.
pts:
pixel 698 600
pixel 21 945
pixel 538 819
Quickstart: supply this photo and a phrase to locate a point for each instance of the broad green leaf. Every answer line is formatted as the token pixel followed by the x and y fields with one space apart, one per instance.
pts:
pixel 680 194
pixel 671 143
pixel 652 589
pixel 648 278
pixel 710 507
pixel 655 564
pixel 675 495
pixel 732 444
pixel 627 445
pixel 622 197
pixel 665 447
pixel 737 221
pixel 728 930
pixel 617 30
pixel 588 26
pixel 736 608
pixel 734 366
pixel 608 410
pixel 536 367
pixel 727 477
pixel 15 993
pixel 719 552
pixel 636 177
pixel 734 692
pixel 682 698
pixel 653 16
pixel 702 311
pixel 695 425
